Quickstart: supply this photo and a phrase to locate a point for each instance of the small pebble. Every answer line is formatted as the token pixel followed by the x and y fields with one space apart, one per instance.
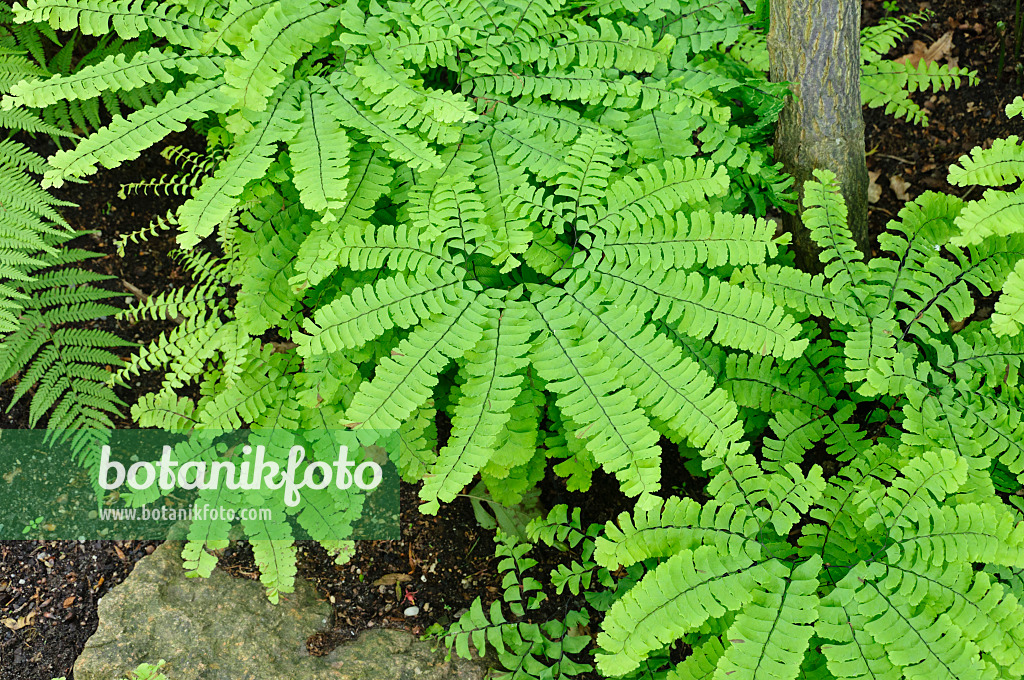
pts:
pixel 412 611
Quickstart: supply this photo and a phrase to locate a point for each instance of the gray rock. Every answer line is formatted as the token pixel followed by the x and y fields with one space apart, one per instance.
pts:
pixel 223 628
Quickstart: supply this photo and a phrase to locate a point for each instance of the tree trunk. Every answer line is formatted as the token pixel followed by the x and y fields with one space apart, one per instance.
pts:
pixel 815 46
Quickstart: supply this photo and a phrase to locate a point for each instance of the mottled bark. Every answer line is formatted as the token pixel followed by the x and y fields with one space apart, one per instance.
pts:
pixel 815 46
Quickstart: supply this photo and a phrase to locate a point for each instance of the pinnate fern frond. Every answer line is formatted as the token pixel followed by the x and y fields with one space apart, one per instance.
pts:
pixel 679 595
pixel 1009 308
pixel 484 407
pixel 124 138
pixel 319 152
pixel 217 196
pixel 404 380
pixel 128 18
pixel 283 34
pixel 355 319
pixel 619 435
pixel 115 72
pixel 999 165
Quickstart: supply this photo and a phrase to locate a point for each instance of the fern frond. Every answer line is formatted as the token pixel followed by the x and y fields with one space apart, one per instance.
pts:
pixel 584 175
pixel 639 198
pixel 124 138
pixel 706 307
pixel 1009 308
pixel 355 319
pixel 234 27
pixel 265 298
pixel 679 595
pixel 800 291
pixel 128 18
pixel 399 143
pixel 671 386
pixel 997 213
pixel 282 35
pixel 217 197
pixel 619 435
pixel 404 380
pixel 484 407
pixel 274 552
pixel 116 72
pixel 350 241
pixel 788 599
pixel 998 165
pixel 684 241
pixel 877 40
pixel 825 217
pixel 208 531
pixel 509 230
pixel 661 528
pixel 319 152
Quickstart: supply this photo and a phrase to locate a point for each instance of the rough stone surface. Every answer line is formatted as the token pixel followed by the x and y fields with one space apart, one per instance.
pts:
pixel 223 628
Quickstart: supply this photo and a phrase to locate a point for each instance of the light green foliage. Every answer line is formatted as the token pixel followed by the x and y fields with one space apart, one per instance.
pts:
pixel 530 225
pixel 883 82
pixel 514 213
pixel 999 213
pixel 66 369
pixel 901 564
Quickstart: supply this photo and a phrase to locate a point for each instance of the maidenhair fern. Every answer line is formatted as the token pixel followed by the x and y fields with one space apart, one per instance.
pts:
pixel 526 644
pixel 901 564
pixel 528 218
pixel 889 84
pixel 435 206
pixel 999 213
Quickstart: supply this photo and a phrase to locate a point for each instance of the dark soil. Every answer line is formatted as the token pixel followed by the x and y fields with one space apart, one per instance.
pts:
pixel 49 589
pixel 959 120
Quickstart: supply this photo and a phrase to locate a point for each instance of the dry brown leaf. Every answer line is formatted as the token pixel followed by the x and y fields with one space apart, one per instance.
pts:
pixel 68 601
pixel 392 579
pixel 20 622
pixel 940 49
pixel 899 187
pixel 874 190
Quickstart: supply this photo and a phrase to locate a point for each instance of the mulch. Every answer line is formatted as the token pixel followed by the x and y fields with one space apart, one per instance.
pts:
pixel 49 589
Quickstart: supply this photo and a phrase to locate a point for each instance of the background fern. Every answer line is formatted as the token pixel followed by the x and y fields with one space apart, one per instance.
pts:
pixel 873 571
pixel 884 83
pixel 69 56
pixel 45 300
